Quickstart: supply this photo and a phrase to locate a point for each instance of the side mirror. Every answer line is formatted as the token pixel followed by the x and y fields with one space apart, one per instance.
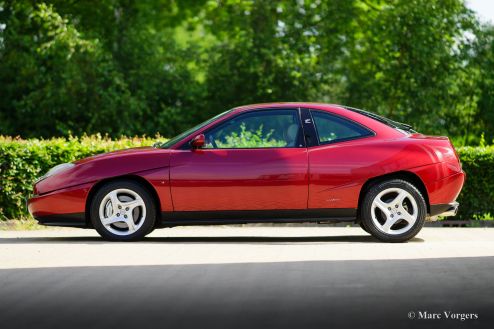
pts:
pixel 198 141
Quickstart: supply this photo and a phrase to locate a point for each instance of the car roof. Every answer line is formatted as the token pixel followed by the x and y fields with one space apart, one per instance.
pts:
pixel 284 105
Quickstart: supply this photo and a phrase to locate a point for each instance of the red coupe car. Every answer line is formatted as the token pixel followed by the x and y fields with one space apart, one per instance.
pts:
pixel 283 162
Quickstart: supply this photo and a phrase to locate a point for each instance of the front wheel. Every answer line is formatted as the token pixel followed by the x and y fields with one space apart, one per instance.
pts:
pixel 394 211
pixel 362 226
pixel 123 211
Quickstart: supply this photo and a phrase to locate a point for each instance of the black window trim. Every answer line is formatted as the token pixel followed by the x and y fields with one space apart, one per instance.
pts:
pixel 310 135
pixel 187 146
pixel 371 133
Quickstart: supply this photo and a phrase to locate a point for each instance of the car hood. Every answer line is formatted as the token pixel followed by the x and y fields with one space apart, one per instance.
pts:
pixel 106 165
pixel 117 154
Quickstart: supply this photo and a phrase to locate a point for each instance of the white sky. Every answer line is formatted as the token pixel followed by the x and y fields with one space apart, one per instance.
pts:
pixel 483 8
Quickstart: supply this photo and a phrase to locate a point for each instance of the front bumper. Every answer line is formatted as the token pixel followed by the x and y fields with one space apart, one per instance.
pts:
pixel 67 220
pixel 65 207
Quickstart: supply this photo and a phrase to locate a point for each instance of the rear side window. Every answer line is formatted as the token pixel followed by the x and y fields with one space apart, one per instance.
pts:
pixel 331 128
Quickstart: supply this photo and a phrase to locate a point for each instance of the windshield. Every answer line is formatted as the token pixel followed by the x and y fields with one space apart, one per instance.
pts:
pixel 186 133
pixel 389 122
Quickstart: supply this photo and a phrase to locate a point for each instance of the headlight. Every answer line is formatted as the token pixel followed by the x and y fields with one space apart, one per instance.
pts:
pixel 55 170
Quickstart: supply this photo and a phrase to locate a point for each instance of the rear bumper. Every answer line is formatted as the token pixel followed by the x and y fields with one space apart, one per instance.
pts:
pixel 445 210
pixel 446 190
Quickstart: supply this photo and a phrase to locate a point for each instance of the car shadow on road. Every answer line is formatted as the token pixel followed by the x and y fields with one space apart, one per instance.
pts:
pixel 207 239
pixel 386 293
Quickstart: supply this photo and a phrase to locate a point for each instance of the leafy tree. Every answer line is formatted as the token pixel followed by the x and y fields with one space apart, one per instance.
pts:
pixel 407 63
pixel 160 66
pixel 482 61
pixel 61 78
pixel 273 51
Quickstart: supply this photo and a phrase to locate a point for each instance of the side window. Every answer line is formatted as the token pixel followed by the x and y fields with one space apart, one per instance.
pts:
pixel 258 129
pixel 332 128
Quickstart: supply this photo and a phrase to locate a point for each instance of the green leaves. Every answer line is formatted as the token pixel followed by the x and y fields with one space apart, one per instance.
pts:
pixel 134 67
pixel 477 197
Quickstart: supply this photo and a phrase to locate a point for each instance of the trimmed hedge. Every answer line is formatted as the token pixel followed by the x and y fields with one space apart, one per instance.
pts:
pixel 477 197
pixel 22 161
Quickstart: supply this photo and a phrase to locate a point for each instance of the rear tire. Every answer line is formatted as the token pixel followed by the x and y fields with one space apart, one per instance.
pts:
pixel 123 210
pixel 393 211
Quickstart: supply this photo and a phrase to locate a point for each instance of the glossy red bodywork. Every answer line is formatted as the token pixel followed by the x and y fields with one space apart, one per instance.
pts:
pixel 230 180
pixel 318 177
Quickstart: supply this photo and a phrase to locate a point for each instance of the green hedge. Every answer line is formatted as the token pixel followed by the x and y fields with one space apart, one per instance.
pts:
pixel 477 197
pixel 22 161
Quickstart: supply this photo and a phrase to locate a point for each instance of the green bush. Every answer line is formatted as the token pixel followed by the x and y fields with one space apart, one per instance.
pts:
pixel 22 161
pixel 477 197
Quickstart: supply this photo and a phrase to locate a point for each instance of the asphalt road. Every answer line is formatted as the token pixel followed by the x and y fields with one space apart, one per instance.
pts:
pixel 248 277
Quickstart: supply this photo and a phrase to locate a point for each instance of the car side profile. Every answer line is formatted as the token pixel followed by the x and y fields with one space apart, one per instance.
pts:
pixel 277 163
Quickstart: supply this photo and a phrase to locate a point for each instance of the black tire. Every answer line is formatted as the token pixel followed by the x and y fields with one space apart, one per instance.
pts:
pixel 366 211
pixel 362 226
pixel 148 220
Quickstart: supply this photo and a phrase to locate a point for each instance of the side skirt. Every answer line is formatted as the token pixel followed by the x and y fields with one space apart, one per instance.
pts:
pixel 183 218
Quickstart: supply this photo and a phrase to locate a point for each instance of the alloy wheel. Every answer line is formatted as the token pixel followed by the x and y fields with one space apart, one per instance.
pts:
pixel 394 211
pixel 122 211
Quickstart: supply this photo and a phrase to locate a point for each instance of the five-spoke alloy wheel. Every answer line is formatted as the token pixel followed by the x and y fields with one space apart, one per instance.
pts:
pixel 393 211
pixel 123 210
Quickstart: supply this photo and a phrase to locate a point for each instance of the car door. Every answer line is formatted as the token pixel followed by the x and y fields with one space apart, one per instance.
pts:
pixel 256 160
pixel 337 162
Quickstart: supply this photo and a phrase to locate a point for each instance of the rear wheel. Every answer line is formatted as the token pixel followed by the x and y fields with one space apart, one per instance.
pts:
pixel 123 211
pixel 393 211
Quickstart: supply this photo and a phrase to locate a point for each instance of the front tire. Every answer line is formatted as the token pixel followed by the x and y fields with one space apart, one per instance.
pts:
pixel 393 211
pixel 362 226
pixel 123 210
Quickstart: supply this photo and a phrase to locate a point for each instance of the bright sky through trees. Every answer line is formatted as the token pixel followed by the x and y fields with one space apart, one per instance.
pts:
pixel 484 8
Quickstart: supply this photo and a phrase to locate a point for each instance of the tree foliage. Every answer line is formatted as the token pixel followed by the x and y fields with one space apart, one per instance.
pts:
pixel 144 67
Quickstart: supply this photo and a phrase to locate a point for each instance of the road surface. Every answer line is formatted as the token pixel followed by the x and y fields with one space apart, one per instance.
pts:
pixel 247 277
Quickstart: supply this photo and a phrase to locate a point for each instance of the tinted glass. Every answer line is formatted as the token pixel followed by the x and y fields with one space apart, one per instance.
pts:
pixel 332 128
pixel 258 129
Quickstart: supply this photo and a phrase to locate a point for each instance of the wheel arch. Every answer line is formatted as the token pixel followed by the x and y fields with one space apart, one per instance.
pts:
pixel 136 178
pixel 404 175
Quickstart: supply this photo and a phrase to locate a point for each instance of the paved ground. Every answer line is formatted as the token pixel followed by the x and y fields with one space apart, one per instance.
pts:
pixel 246 277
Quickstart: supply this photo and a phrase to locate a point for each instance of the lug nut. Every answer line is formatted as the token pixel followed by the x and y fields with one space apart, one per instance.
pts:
pixel 119 207
pixel 399 213
pixel 392 216
pixel 118 215
pixel 396 206
pixel 125 216
pixel 127 209
pixel 389 208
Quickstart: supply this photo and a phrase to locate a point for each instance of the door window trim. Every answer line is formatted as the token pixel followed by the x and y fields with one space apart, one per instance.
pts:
pixel 300 138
